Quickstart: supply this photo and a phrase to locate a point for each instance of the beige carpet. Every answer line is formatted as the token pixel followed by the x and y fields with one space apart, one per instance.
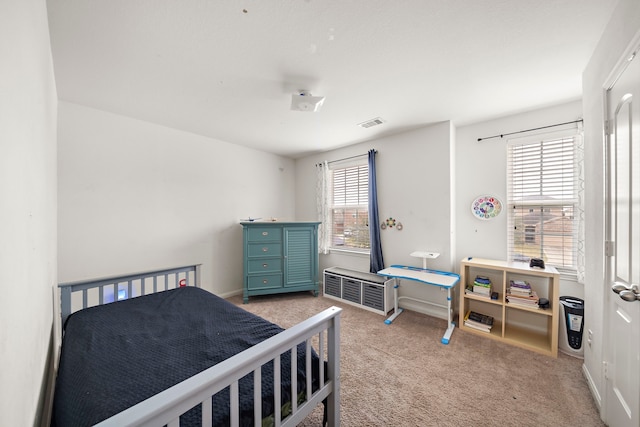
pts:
pixel 401 375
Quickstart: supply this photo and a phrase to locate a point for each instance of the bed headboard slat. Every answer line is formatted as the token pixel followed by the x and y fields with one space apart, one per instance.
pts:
pixel 67 290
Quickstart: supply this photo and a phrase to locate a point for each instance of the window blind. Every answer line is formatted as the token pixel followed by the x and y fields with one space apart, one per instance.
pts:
pixel 349 210
pixel 350 186
pixel 542 193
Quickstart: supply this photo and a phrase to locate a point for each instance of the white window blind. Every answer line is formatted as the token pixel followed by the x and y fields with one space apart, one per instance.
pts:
pixel 542 193
pixel 350 208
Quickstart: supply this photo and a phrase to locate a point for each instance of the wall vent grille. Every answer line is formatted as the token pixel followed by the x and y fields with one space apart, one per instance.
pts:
pixel 370 123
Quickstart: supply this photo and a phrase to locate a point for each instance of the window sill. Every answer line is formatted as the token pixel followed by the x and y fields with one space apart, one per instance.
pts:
pixel 350 252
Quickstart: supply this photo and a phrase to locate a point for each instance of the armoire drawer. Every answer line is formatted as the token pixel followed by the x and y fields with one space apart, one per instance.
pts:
pixel 266 249
pixel 265 265
pixel 264 234
pixel 264 281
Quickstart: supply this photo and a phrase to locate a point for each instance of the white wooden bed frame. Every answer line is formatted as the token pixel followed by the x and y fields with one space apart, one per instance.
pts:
pixel 166 407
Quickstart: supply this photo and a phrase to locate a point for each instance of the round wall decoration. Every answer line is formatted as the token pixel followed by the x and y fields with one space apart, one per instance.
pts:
pixel 486 207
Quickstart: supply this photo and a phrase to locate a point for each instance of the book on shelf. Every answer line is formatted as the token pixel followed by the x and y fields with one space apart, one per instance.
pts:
pixel 482 290
pixel 530 297
pixel 483 279
pixel 513 302
pixel 531 300
pixel 477 328
pixel 478 321
pixel 482 283
pixel 477 294
pixel 517 295
pixel 482 286
pixel 480 318
pixel 520 285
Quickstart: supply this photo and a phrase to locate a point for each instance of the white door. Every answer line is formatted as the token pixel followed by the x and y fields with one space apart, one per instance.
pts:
pixel 622 350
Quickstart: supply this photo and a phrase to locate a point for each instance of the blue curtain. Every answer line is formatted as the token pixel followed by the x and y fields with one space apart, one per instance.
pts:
pixel 376 263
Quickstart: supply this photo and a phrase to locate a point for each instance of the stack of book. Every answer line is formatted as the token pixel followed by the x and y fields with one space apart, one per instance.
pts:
pixel 480 322
pixel 481 287
pixel 520 293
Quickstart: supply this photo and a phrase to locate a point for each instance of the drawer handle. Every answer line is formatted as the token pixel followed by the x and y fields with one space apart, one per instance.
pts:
pixel 265 281
pixel 265 265
pixel 265 249
pixel 265 233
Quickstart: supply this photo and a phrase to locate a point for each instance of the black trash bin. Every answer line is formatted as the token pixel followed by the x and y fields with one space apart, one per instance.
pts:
pixel 572 325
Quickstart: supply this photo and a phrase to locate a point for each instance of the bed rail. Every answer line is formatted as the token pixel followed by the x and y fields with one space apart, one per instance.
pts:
pixel 166 407
pixel 113 288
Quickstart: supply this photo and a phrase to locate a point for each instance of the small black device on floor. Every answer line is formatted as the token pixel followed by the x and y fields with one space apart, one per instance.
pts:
pixel 574 320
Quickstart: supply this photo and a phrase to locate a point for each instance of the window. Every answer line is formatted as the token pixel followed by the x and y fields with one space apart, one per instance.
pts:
pixel 349 208
pixel 542 192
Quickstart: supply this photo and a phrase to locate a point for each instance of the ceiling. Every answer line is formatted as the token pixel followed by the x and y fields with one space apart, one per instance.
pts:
pixel 227 69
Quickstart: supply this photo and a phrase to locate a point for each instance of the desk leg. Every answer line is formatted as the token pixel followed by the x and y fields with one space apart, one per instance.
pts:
pixel 396 309
pixel 449 331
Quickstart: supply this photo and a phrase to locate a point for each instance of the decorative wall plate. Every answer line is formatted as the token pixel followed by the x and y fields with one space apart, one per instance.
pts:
pixel 486 207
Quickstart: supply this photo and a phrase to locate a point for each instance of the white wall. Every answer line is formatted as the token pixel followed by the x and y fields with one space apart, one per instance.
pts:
pixel 124 186
pixel 428 179
pixel 135 196
pixel 413 187
pixel 622 27
pixel 481 169
pixel 27 209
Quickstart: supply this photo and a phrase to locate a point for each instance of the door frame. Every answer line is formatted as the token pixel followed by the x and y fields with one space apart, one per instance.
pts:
pixel 633 48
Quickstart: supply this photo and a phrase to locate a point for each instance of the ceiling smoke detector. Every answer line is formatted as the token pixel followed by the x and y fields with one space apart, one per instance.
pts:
pixel 304 101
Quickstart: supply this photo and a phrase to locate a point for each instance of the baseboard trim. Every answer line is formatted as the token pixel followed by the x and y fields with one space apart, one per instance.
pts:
pixel 592 387
pixel 45 400
pixel 230 294
pixel 428 310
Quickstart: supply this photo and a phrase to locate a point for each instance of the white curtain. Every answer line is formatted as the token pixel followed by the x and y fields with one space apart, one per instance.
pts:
pixel 323 195
pixel 580 209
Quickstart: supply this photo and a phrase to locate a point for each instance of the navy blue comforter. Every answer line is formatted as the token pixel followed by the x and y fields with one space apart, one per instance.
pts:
pixel 119 354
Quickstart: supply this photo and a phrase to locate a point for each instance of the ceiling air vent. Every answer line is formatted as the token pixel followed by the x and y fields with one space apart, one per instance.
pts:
pixel 371 123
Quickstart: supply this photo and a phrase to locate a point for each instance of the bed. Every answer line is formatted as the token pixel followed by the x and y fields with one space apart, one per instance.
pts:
pixel 153 348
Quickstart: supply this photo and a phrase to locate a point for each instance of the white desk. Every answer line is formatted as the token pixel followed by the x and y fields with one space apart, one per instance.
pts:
pixel 438 278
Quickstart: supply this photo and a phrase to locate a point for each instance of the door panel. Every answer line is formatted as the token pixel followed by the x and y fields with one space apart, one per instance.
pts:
pixel 622 351
pixel 622 149
pixel 299 259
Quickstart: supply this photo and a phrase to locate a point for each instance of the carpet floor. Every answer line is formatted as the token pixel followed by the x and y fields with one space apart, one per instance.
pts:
pixel 402 375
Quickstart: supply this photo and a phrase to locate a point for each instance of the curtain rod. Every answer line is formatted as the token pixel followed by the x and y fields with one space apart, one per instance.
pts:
pixel 347 158
pixel 529 130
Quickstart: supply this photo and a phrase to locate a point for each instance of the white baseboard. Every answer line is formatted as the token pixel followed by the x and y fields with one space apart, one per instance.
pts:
pixel 592 386
pixel 429 310
pixel 230 294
